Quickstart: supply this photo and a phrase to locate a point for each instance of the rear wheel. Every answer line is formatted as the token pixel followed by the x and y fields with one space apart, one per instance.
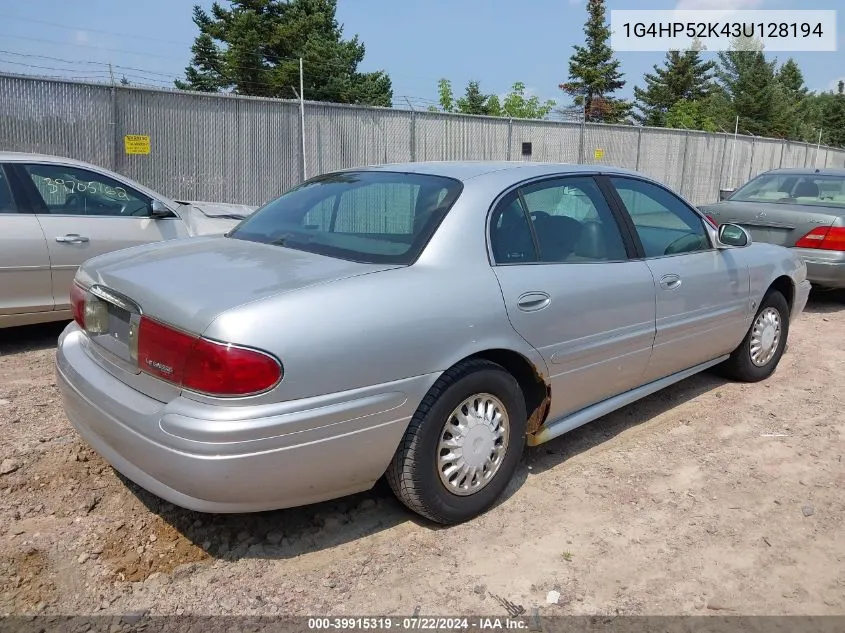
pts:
pixel 758 355
pixel 462 445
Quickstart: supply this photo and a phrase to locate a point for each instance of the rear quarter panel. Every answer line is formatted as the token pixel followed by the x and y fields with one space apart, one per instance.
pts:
pixel 768 262
pixel 375 328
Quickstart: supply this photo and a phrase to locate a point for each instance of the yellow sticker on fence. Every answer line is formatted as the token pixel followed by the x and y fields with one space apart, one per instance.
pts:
pixel 136 144
pixel 598 154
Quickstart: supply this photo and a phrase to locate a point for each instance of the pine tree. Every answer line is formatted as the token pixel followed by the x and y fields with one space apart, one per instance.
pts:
pixel 594 73
pixel 253 47
pixel 793 100
pixel 833 124
pixel 473 101
pixel 684 76
pixel 749 81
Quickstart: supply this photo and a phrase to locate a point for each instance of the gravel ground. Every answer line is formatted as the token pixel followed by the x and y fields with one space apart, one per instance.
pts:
pixel 708 497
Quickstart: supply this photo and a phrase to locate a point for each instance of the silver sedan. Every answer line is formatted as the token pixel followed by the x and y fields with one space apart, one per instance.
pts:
pixel 57 212
pixel 421 321
pixel 801 208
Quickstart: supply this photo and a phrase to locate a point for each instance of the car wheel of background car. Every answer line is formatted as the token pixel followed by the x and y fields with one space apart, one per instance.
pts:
pixel 462 445
pixel 760 351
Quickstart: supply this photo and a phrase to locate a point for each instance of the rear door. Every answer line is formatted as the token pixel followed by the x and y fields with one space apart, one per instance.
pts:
pixel 25 282
pixel 571 290
pixel 703 295
pixel 84 213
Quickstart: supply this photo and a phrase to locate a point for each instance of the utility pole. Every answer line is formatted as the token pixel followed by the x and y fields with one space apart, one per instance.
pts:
pixel 302 118
pixel 818 148
pixel 733 151
pixel 111 74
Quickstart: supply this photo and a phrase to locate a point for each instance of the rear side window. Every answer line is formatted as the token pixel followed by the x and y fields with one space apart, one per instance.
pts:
pixel 366 216
pixel 7 205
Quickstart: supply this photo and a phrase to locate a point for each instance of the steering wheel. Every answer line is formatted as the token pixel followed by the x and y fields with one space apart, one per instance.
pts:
pixel 684 244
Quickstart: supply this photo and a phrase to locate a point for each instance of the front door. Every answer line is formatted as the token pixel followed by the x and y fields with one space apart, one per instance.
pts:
pixel 571 291
pixel 85 214
pixel 702 292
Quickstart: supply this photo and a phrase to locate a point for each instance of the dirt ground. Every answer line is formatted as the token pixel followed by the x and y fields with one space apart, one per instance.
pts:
pixel 709 497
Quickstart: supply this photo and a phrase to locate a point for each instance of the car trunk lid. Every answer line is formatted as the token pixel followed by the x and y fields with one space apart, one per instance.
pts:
pixel 187 283
pixel 782 224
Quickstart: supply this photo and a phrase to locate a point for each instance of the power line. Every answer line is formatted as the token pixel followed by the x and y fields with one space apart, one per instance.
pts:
pixel 90 30
pixel 147 75
pixel 274 58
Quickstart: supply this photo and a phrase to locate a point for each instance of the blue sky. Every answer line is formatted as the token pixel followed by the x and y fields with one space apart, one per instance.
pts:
pixel 494 41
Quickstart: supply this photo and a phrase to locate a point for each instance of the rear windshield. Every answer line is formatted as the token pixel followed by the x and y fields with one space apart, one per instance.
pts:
pixel 806 189
pixel 364 216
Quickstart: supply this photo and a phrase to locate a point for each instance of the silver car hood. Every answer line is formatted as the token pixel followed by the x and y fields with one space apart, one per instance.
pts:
pixel 212 218
pixel 189 282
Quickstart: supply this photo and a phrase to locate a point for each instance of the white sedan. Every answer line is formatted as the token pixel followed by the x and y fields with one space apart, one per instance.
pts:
pixel 55 213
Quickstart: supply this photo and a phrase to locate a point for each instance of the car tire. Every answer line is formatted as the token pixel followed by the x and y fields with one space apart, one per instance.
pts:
pixel 741 365
pixel 417 474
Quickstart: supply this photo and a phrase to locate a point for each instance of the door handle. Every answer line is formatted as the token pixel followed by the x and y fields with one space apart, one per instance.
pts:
pixel 533 301
pixel 670 282
pixel 72 238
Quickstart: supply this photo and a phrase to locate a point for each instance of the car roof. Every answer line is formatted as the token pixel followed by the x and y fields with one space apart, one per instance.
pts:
pixel 808 171
pixel 468 169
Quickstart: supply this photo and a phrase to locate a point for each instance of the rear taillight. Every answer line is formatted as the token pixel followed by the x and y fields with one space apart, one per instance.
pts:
pixel 712 222
pixel 89 312
pixel 824 238
pixel 203 365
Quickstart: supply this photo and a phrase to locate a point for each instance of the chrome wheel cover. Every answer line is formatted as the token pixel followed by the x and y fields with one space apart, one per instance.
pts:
pixel 473 444
pixel 765 336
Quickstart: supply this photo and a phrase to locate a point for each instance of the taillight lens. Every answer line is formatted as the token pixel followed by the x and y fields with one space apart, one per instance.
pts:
pixel 90 313
pixel 824 238
pixel 222 369
pixel 162 350
pixel 712 222
pixel 202 365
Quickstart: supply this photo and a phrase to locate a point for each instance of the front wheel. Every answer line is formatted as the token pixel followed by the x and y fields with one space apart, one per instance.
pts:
pixel 462 445
pixel 758 355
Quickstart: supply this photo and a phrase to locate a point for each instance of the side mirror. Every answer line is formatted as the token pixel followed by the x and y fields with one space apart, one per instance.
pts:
pixel 158 210
pixel 732 235
pixel 724 194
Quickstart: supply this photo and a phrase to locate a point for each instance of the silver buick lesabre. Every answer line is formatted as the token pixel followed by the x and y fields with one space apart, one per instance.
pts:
pixel 417 321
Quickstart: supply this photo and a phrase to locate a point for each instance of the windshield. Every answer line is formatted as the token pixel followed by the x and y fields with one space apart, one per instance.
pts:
pixel 806 189
pixel 365 216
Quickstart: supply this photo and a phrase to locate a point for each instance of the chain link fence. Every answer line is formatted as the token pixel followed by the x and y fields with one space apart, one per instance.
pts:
pixel 248 150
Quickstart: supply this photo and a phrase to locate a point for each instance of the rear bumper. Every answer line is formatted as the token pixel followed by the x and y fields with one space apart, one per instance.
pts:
pixel 824 268
pixel 236 459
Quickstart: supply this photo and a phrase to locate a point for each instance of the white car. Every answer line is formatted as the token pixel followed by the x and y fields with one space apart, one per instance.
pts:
pixel 55 213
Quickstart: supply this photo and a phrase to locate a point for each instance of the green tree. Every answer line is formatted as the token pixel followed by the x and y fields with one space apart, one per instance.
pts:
pixel 748 79
pixel 691 115
pixel 124 81
pixel 253 47
pixel 473 101
pixel 594 73
pixel 793 100
pixel 445 95
pixel 517 106
pixel 833 123
pixel 684 76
